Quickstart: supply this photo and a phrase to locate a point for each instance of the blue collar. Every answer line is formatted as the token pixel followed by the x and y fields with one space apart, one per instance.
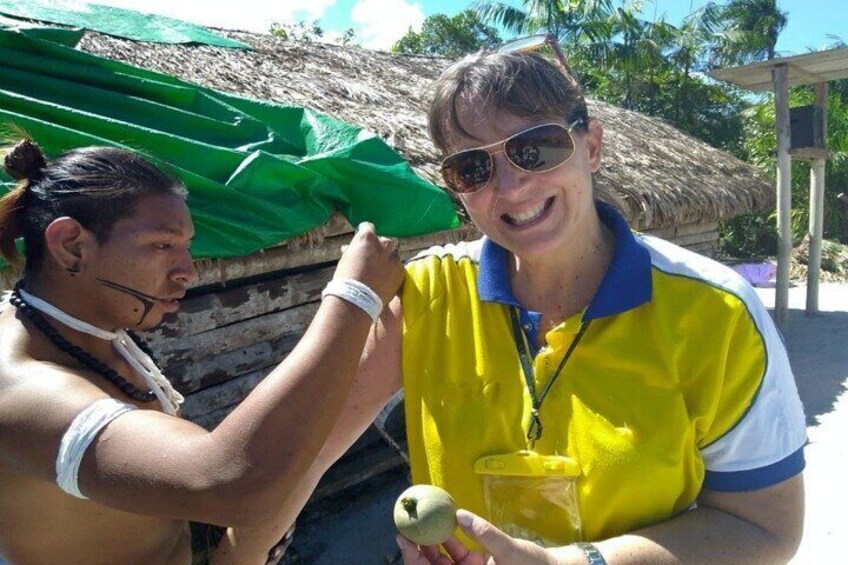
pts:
pixel 626 284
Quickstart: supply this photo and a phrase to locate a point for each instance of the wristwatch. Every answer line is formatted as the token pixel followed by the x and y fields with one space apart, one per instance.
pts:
pixel 591 552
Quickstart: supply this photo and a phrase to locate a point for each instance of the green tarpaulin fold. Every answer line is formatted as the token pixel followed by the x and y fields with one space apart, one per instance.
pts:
pixel 258 173
pixel 119 22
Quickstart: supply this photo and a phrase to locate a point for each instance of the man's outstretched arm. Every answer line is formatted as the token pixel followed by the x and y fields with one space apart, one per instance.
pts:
pixel 377 381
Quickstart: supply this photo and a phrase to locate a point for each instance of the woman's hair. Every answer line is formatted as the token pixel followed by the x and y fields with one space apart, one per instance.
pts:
pixel 521 84
pixel 97 186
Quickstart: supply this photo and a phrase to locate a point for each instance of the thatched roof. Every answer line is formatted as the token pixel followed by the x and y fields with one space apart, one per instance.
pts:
pixel 660 177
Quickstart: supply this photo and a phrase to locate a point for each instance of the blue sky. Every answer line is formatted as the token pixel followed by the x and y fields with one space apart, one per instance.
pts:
pixel 379 23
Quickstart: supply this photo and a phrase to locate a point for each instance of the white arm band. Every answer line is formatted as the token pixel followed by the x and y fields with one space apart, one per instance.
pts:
pixel 79 436
pixel 357 294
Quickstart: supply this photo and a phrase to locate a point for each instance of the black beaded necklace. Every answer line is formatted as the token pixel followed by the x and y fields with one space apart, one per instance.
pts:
pixel 79 353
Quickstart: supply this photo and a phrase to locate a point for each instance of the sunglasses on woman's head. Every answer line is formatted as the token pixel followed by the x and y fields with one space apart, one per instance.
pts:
pixel 536 150
pixel 534 43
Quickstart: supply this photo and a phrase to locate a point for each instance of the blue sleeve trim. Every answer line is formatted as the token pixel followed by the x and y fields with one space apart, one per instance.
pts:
pixel 755 479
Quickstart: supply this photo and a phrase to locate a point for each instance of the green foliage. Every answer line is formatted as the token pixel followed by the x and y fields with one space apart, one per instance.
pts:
pixel 650 67
pixel 448 36
pixel 760 143
pixel 301 31
pixel 310 31
pixel 750 31
pixel 566 19
pixel 751 236
pixel 348 37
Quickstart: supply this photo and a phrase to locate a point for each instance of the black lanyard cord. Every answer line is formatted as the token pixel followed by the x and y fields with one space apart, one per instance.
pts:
pixel 534 431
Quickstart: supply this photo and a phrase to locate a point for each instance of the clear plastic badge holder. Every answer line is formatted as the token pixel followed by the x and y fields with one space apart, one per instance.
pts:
pixel 532 496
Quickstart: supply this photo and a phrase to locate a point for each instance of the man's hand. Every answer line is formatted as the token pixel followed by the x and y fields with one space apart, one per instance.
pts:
pixel 500 548
pixel 373 261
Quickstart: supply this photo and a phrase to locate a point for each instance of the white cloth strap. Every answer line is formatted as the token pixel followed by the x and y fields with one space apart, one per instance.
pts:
pixel 79 436
pixel 357 294
pixel 168 397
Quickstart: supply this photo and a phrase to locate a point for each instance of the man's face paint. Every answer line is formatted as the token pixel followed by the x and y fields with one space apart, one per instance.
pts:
pixel 146 300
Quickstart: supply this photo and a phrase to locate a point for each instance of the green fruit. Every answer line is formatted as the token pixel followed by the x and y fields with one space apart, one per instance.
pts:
pixel 425 514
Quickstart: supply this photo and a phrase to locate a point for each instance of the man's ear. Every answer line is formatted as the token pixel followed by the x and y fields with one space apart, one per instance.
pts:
pixel 594 141
pixel 68 243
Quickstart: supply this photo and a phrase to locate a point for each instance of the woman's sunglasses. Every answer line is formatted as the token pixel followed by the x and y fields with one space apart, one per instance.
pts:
pixel 536 150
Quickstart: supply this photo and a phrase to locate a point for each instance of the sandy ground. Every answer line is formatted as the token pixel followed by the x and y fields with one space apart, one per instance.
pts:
pixel 818 351
pixel 357 528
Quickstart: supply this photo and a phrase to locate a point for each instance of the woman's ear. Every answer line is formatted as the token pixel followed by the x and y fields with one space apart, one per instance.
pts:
pixel 67 243
pixel 594 142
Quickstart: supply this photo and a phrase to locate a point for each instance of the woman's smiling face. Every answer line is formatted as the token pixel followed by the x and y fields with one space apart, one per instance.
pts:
pixel 530 214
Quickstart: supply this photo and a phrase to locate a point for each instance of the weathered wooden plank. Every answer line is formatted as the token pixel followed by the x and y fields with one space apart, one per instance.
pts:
pixel 696 228
pixel 211 405
pixel 195 348
pixel 663 233
pixel 225 395
pixel 673 233
pixel 695 238
pixel 226 306
pixel 291 255
pixel 705 249
pixel 354 470
pixel 810 153
pixel 192 376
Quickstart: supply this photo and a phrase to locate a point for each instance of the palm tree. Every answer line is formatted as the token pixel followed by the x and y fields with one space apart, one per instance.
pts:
pixel 564 19
pixel 628 49
pixel 690 46
pixel 751 29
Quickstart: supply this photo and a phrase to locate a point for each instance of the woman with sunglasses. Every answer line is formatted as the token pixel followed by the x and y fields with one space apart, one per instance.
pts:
pixel 604 394
pixel 561 334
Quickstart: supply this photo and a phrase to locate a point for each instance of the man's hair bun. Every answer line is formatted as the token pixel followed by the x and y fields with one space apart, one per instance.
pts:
pixel 24 161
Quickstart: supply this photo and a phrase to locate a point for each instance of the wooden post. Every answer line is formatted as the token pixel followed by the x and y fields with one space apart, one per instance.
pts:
pixel 817 169
pixel 780 78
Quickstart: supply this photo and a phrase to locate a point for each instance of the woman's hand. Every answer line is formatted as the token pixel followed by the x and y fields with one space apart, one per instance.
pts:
pixel 500 549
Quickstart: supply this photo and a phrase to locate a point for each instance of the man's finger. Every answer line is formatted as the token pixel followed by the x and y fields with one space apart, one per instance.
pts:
pixel 492 539
pixel 392 244
pixel 364 227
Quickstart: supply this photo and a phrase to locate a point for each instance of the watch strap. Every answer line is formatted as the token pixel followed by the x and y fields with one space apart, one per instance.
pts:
pixel 593 555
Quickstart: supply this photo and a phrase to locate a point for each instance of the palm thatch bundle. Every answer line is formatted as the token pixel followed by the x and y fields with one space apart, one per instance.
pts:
pixel 658 176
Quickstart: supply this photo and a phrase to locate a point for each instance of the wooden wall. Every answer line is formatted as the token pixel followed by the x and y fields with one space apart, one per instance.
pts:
pixel 700 238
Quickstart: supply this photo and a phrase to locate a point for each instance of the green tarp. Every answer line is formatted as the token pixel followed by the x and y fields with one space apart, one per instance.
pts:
pixel 258 173
pixel 115 21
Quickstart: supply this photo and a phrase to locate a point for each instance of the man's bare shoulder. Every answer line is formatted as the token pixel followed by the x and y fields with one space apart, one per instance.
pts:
pixel 39 398
pixel 27 369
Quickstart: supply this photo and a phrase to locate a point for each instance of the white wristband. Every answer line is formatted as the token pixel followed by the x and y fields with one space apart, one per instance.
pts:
pixel 357 294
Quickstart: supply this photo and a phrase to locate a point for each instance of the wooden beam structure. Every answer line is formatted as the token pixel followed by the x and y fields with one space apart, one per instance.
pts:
pixel 808 68
pixel 780 78
pixel 817 184
pixel 778 75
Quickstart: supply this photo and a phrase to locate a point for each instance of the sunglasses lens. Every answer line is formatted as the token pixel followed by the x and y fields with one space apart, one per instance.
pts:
pixel 468 171
pixel 540 149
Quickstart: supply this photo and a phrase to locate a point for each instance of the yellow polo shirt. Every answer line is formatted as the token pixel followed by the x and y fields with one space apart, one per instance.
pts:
pixel 680 382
